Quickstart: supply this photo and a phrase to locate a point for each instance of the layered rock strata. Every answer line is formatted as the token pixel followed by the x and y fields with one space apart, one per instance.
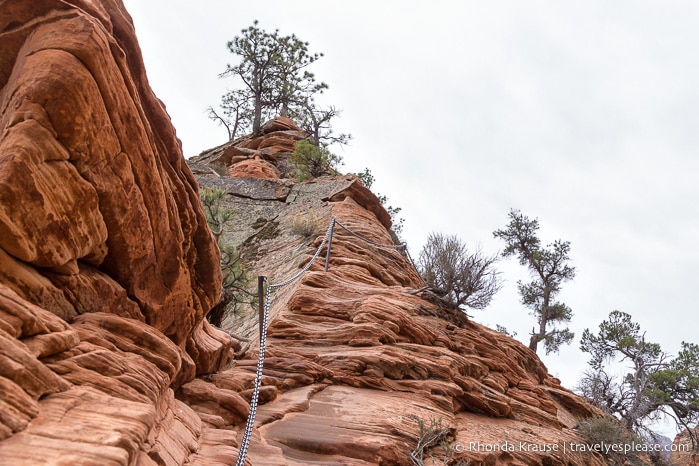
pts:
pixel 107 266
pixel 357 355
pixel 107 269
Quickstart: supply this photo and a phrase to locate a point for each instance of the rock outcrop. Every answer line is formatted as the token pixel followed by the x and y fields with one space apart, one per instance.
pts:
pixel 263 155
pixel 107 269
pixel 107 266
pixel 357 355
pixel 682 450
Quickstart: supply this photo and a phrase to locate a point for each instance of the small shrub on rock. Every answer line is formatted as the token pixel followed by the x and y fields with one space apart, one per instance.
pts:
pixel 311 161
pixel 608 431
pixel 465 279
pixel 306 225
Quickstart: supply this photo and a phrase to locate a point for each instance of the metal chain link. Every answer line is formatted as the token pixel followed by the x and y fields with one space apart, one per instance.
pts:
pixel 403 247
pixel 258 380
pixel 379 245
pixel 263 340
pixel 412 262
pixel 308 266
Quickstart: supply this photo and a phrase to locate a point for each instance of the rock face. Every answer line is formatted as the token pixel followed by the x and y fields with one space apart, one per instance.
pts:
pixel 262 155
pixel 358 356
pixel 107 266
pixel 93 188
pixel 683 453
pixel 107 269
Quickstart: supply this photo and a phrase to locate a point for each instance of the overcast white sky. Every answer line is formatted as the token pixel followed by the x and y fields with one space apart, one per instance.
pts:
pixel 582 114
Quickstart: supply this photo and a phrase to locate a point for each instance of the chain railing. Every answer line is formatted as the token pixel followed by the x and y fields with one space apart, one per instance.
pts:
pixel 403 247
pixel 264 291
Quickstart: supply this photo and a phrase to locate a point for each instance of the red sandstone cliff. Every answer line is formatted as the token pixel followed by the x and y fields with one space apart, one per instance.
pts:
pixel 107 269
pixel 355 354
pixel 107 266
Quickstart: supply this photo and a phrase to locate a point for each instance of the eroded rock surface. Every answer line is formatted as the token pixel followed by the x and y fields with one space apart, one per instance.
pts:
pixel 683 452
pixel 107 266
pixel 93 188
pixel 263 155
pixel 107 269
pixel 356 355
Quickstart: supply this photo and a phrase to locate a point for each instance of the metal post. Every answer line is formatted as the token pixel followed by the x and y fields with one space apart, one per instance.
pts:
pixel 330 243
pixel 261 301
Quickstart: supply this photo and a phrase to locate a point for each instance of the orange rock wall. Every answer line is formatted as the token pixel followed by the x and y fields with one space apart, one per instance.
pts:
pixel 107 266
pixel 93 186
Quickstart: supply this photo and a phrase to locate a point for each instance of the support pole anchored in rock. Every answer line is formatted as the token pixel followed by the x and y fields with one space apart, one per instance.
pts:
pixel 261 301
pixel 330 243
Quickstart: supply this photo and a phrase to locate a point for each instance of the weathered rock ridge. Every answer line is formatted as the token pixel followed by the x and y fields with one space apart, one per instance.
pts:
pixel 107 269
pixel 354 354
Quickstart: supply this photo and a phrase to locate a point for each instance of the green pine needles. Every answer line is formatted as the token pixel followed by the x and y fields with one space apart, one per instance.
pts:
pixel 311 161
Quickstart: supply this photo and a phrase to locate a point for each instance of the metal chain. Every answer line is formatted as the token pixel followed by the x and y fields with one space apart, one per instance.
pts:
pixel 258 380
pixel 412 262
pixel 402 246
pixel 263 331
pixel 308 266
pixel 379 245
pixel 263 341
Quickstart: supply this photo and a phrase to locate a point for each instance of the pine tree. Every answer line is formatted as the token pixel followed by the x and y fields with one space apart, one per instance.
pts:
pixel 655 382
pixel 550 269
pixel 273 76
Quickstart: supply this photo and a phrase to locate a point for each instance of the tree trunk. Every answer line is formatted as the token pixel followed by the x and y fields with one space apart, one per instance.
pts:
pixel 543 321
pixel 257 118
pixel 217 313
pixel 534 341
pixel 257 110
pixel 316 135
